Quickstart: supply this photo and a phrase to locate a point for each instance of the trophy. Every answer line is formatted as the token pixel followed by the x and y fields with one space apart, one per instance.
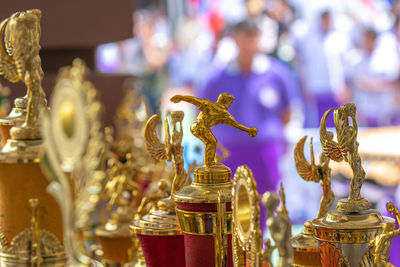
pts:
pixel 157 226
pixel 123 195
pixel 75 152
pixel 204 207
pixel 247 237
pixel 21 178
pixel 343 234
pixel 305 246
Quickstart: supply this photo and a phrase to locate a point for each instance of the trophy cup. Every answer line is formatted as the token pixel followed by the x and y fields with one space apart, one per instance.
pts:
pixel 75 152
pixel 305 246
pixel 123 195
pixel 21 178
pixel 157 226
pixel 246 231
pixel 343 234
pixel 204 207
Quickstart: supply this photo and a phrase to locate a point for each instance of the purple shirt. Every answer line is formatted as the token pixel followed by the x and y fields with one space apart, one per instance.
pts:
pixel 260 99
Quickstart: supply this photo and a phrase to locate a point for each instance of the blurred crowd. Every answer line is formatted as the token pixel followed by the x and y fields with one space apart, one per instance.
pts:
pixel 284 61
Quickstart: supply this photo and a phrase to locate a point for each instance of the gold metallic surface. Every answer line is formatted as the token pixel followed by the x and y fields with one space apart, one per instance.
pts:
pixel 316 173
pixel 156 213
pixel 346 148
pixel 211 114
pixel 171 149
pixel 33 246
pixel 344 233
pixel 212 181
pixel 20 61
pixel 380 245
pixel 278 224
pixel 246 234
pixel 79 193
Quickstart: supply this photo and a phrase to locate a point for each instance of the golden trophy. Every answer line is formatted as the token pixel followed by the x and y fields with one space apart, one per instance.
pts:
pixel 305 246
pixel 75 152
pixel 246 233
pixel 21 178
pixel 343 234
pixel 123 195
pixel 204 207
pixel 157 226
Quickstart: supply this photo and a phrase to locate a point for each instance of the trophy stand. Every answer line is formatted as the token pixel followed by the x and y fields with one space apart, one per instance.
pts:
pixel 21 177
pixel 204 207
pixel 343 234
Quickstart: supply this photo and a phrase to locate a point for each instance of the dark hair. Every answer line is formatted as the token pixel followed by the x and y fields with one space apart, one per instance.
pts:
pixel 247 25
pixel 370 32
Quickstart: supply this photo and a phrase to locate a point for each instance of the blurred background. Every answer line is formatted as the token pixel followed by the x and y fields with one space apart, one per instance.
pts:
pixel 285 61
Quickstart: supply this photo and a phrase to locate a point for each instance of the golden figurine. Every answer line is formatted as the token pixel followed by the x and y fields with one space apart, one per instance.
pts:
pixel 130 119
pixel 346 148
pixel 75 144
pixel 344 233
pixel 211 114
pixel 279 226
pixel 212 186
pixel 305 246
pixel 316 173
pixel 20 61
pixel 172 149
pixel 156 218
pixel 121 191
pixel 382 242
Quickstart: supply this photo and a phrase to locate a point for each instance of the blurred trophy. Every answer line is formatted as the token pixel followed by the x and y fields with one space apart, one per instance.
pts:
pixel 343 234
pixel 305 246
pixel 247 236
pixel 122 195
pixel 21 178
pixel 204 207
pixel 157 226
pixel 74 156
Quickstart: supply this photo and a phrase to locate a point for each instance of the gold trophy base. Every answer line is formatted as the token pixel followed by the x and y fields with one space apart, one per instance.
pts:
pixel 305 248
pixel 117 245
pixel 21 151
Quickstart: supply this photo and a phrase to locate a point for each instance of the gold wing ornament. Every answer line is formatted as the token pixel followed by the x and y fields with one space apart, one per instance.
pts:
pixel 307 171
pixel 154 146
pixel 336 151
pixel 8 68
pixel 74 143
pixel 172 149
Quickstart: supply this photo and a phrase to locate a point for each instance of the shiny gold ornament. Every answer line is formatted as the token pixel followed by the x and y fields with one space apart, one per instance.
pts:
pixel 316 173
pixel 156 220
pixel 123 195
pixel 346 148
pixel 345 232
pixel 211 114
pixel 305 246
pixel 380 245
pixel 212 187
pixel 75 144
pixel 33 246
pixel 20 61
pixel 246 233
pixel 130 119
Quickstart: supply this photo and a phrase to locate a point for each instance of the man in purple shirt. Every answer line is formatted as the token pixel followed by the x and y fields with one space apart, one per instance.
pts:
pixel 261 94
